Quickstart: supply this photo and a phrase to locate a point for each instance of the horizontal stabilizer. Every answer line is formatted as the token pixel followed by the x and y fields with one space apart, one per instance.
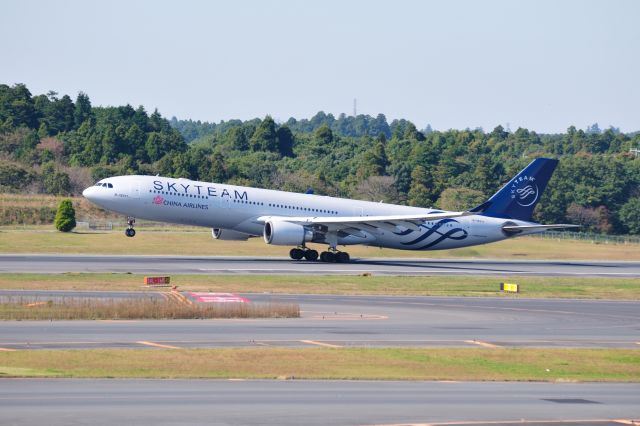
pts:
pixel 516 229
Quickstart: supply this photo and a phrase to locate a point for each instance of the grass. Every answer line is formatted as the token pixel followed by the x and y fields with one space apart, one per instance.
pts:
pixel 19 308
pixel 84 209
pixel 198 241
pixel 618 365
pixel 531 287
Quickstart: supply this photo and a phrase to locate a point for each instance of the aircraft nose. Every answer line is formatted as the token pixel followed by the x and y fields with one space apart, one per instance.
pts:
pixel 87 193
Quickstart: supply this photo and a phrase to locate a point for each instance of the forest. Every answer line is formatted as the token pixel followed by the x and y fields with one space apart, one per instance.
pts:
pixel 52 144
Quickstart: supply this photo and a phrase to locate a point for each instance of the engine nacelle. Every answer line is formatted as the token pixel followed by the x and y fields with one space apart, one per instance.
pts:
pixel 281 233
pixel 228 234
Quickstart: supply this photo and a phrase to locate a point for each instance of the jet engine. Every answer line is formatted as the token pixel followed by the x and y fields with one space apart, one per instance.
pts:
pixel 282 233
pixel 227 234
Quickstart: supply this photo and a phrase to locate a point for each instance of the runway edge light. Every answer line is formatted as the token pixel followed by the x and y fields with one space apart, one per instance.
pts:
pixel 510 287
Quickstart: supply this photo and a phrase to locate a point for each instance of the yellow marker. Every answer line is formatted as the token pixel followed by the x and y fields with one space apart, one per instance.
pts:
pixel 510 287
pixel 315 342
pixel 158 345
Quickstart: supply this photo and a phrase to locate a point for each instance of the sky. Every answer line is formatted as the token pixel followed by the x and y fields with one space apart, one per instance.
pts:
pixel 543 65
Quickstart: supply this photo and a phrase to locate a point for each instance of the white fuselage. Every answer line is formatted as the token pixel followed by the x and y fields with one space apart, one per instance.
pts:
pixel 236 208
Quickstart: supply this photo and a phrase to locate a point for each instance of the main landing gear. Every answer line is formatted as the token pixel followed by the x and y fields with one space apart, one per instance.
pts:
pixel 299 253
pixel 130 232
pixel 325 256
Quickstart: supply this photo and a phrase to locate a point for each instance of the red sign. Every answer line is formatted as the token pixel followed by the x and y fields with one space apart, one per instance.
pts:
pixel 156 280
pixel 218 298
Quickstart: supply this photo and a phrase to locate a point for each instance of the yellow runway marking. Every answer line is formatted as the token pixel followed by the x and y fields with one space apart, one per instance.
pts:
pixel 30 305
pixel 481 343
pixel 158 345
pixel 313 342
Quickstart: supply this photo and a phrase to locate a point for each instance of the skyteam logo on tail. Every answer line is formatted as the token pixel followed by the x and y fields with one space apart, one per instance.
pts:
pixel 524 190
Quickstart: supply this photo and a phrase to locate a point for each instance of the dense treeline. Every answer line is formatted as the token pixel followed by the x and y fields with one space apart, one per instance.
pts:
pixel 51 144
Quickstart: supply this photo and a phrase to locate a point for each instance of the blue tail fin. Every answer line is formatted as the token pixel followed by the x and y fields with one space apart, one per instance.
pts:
pixel 518 198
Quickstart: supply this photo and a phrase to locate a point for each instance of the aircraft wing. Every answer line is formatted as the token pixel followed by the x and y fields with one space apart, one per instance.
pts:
pixel 342 223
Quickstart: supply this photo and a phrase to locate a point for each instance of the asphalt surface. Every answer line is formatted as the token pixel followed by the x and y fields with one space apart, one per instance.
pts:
pixel 350 321
pixel 169 402
pixel 280 266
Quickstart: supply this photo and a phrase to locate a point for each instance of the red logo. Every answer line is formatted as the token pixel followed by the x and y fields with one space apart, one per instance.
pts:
pixel 158 200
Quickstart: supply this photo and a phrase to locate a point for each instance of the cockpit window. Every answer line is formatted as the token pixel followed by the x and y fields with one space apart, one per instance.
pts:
pixel 104 184
pixel 109 185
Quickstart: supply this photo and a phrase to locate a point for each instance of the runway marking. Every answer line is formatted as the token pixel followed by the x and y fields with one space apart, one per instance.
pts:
pixel 483 344
pixel 314 342
pixel 410 273
pixel 520 421
pixel 30 305
pixel 181 298
pixel 158 345
pixel 347 316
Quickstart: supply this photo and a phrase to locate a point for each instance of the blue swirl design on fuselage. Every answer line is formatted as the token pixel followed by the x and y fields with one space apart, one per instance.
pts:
pixel 451 234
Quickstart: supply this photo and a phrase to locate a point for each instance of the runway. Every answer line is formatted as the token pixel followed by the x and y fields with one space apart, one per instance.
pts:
pixel 351 321
pixel 258 402
pixel 285 266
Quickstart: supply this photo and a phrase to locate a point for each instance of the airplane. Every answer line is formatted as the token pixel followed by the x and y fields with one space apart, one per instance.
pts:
pixel 295 219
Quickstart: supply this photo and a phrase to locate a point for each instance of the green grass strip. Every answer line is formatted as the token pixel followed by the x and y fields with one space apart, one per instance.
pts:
pixel 478 364
pixel 532 287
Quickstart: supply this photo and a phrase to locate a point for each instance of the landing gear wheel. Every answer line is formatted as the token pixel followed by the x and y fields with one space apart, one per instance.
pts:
pixel 311 255
pixel 342 257
pixel 130 232
pixel 296 254
pixel 327 256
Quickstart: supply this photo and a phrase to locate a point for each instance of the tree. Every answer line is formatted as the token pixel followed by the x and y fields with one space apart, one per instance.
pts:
pixel 218 168
pixel 460 199
pixel 16 106
pixel 421 192
pixel 264 138
pixel 82 109
pixel 285 141
pixel 378 188
pixel 65 219
pixel 630 215
pixel 323 134
pixel 483 176
pixel 55 181
pixel 374 162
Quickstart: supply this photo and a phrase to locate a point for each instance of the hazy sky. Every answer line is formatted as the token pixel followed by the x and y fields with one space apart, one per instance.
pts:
pixel 543 65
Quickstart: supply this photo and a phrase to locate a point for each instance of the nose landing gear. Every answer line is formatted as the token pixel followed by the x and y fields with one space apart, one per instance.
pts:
pixel 130 232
